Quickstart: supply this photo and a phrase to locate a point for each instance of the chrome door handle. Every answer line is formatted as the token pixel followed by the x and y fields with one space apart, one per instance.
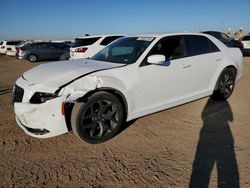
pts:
pixel 185 66
pixel 218 59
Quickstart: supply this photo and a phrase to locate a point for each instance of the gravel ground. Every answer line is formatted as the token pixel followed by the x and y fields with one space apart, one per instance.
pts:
pixel 198 144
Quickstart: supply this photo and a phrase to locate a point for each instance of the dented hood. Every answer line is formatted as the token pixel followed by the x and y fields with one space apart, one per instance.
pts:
pixel 59 73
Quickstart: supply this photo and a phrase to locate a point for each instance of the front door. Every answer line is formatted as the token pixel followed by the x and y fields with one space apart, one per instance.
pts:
pixel 165 85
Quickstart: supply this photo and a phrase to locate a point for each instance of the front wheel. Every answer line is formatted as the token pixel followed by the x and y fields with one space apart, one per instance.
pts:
pixel 98 119
pixel 225 84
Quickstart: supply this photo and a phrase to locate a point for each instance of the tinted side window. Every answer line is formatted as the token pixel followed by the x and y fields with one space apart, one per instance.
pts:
pixel 60 45
pixel 13 42
pixel 84 41
pixel 246 38
pixel 197 45
pixel 1 43
pixel 49 45
pixel 38 45
pixel 108 40
pixel 170 47
pixel 214 34
pixel 34 45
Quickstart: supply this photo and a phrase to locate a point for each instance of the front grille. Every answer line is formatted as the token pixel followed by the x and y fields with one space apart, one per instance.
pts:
pixel 17 94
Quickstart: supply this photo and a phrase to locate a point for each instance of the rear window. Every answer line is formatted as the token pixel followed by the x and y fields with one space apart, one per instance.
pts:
pixel 246 38
pixel 214 34
pixel 197 45
pixel 84 41
pixel 109 39
pixel 13 42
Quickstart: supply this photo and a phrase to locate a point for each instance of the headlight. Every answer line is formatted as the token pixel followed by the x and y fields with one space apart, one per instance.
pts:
pixel 39 97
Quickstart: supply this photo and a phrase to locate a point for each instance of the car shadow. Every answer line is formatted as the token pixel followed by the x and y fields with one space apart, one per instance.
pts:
pixel 215 146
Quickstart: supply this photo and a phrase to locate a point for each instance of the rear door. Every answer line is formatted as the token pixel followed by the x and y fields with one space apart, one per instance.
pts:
pixel 204 57
pixel 42 50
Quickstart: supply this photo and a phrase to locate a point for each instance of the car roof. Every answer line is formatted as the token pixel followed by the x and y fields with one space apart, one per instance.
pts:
pixel 94 36
pixel 160 35
pixel 211 32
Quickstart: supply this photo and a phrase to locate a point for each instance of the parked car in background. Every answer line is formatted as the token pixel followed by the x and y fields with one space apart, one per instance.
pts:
pixel 3 47
pixel 246 45
pixel 130 78
pixel 8 44
pixel 43 51
pixel 1 43
pixel 225 39
pixel 11 47
pixel 84 47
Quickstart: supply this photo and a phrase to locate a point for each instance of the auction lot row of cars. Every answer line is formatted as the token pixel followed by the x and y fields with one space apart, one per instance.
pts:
pixel 82 47
pixel 87 46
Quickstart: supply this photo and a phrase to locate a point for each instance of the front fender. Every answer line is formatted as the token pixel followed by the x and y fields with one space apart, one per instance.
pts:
pixel 91 83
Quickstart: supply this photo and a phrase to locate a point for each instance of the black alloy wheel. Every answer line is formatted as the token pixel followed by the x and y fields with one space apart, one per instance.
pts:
pixel 225 84
pixel 99 119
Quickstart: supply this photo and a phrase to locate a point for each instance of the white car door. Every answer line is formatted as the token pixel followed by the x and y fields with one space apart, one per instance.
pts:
pixel 204 57
pixel 165 85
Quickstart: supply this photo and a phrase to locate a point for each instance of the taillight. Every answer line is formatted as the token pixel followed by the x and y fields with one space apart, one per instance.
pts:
pixel 17 49
pixel 82 50
pixel 2 47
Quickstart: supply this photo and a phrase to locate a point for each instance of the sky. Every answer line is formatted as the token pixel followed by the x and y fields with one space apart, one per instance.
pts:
pixel 68 19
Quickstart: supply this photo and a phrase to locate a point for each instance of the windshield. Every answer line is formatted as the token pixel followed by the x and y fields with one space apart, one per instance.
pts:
pixel 125 50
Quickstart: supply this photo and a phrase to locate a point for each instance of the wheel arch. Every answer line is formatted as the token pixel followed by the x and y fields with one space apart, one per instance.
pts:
pixel 69 105
pixel 113 91
pixel 225 63
pixel 220 72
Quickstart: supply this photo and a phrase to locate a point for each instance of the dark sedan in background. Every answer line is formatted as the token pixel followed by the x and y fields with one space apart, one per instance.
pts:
pixel 225 39
pixel 43 51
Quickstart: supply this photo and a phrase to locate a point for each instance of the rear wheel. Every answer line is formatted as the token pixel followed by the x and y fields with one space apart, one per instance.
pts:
pixel 225 84
pixel 98 119
pixel 32 58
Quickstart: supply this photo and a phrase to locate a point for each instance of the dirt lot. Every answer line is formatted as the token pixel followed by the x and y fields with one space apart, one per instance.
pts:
pixel 196 144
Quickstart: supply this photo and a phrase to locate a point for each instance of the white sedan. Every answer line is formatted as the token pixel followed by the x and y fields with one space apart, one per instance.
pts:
pixel 130 78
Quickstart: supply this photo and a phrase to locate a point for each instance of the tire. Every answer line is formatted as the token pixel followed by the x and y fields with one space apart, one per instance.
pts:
pixel 63 58
pixel 98 119
pixel 225 85
pixel 32 58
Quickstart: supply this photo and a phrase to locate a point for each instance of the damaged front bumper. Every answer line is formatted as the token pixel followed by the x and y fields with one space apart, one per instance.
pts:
pixel 47 119
pixel 41 120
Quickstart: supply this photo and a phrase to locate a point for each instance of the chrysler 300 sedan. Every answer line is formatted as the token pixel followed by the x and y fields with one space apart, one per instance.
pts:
pixel 130 78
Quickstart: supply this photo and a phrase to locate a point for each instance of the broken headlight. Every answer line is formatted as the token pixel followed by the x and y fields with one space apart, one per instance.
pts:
pixel 40 97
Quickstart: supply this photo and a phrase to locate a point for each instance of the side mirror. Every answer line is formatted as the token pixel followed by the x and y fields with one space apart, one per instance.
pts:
pixel 156 59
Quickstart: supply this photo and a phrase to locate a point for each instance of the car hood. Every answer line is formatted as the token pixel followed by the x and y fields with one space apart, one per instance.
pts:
pixel 59 73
